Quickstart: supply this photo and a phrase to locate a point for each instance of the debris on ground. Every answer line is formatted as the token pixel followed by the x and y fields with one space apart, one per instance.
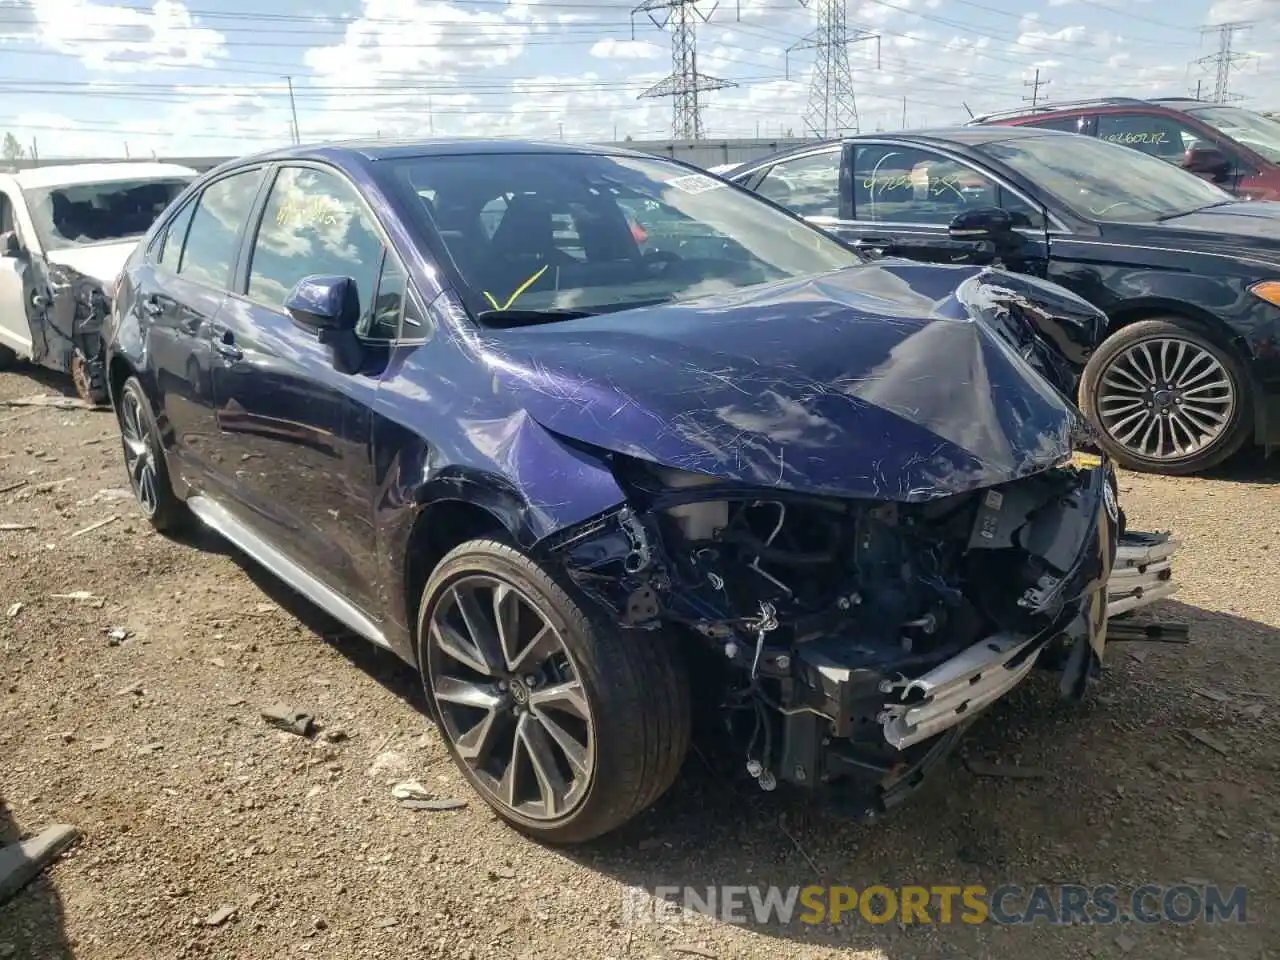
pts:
pixel 49 400
pixel 981 768
pixel 13 610
pixel 1210 741
pixel 285 717
pixel 117 635
pixel 22 861
pixel 438 805
pixel 94 526
pixel 220 916
pixel 17 527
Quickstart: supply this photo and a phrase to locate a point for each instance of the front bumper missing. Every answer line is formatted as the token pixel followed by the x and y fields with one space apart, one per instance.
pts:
pixel 956 690
pixel 1142 573
pixel 975 678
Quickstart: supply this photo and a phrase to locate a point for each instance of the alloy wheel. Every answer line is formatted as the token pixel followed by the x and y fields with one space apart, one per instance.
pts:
pixel 139 458
pixel 510 698
pixel 1165 399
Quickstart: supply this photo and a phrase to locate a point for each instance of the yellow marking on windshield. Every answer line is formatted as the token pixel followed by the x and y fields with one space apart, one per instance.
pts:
pixel 519 290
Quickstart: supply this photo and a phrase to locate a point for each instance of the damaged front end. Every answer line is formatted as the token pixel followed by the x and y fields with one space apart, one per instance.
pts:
pixel 66 314
pixel 852 640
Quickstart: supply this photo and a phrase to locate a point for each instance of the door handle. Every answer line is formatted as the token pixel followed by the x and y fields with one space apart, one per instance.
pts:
pixel 226 346
pixel 871 244
pixel 151 307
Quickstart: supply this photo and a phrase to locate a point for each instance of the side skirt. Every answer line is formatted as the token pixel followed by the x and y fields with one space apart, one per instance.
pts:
pixel 225 524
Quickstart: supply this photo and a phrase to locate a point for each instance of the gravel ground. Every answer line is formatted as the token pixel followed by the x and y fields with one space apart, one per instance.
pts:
pixel 133 670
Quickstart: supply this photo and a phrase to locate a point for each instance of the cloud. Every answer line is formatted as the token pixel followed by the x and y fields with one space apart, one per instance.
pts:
pixel 105 36
pixel 610 49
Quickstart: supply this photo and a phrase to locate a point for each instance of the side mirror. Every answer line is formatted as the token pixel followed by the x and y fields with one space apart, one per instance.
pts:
pixel 10 245
pixel 990 223
pixel 1204 159
pixel 325 304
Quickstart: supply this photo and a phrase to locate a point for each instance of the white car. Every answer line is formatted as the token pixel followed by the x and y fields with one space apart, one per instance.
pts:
pixel 65 233
pixel 722 169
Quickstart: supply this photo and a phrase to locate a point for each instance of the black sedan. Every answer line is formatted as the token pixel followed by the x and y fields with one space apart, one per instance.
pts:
pixel 1189 277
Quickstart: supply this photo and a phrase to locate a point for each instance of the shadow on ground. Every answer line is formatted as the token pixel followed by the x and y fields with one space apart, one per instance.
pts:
pixel 1250 466
pixel 1121 792
pixel 31 924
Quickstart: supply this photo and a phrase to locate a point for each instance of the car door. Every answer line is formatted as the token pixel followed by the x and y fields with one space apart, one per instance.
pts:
pixel 16 279
pixel 181 289
pixel 904 197
pixel 295 414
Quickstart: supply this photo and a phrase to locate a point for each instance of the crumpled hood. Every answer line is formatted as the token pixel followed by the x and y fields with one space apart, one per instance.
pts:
pixel 102 262
pixel 874 382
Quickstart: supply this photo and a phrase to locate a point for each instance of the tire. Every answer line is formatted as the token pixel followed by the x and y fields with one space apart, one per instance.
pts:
pixel 634 696
pixel 1220 389
pixel 144 460
pixel 89 379
pixel 8 358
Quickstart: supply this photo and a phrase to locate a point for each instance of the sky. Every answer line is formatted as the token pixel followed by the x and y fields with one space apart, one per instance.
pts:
pixel 208 78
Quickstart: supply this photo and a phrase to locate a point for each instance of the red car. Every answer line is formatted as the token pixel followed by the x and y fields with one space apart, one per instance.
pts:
pixel 1235 148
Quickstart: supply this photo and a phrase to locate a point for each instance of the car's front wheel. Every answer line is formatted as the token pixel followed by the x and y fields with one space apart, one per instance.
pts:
pixel 144 460
pixel 1166 399
pixel 565 726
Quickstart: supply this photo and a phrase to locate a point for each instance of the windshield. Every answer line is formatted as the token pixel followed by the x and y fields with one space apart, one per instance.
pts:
pixel 591 233
pixel 1258 133
pixel 88 213
pixel 1104 181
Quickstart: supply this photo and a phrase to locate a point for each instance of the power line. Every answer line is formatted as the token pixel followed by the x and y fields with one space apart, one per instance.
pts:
pixel 1035 86
pixel 833 106
pixel 684 82
pixel 1225 58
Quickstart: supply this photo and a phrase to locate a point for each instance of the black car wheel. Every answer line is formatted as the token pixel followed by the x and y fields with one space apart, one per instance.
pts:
pixel 1166 398
pixel 148 473
pixel 566 727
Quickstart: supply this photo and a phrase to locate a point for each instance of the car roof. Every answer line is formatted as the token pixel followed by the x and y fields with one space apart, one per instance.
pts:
pixel 73 174
pixel 1101 105
pixel 376 150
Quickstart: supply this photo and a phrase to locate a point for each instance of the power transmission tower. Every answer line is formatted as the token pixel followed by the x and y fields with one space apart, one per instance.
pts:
pixel 685 82
pixel 1035 86
pixel 1224 58
pixel 833 107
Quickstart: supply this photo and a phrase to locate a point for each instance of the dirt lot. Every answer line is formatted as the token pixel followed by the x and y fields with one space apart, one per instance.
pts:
pixel 150 740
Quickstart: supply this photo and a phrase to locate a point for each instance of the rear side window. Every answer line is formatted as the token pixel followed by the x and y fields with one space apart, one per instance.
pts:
pixel 1065 124
pixel 213 237
pixel 809 186
pixel 169 254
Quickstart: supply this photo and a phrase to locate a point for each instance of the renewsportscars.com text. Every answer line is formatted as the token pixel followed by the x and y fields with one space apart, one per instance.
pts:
pixel 1010 904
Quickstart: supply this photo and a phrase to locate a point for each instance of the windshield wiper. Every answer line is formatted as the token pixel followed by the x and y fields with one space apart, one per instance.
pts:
pixel 1185 213
pixel 522 318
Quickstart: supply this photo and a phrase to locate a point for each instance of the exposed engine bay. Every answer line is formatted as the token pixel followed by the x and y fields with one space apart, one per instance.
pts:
pixel 851 636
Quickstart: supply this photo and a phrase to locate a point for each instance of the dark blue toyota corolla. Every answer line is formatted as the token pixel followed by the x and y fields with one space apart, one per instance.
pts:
pixel 594 439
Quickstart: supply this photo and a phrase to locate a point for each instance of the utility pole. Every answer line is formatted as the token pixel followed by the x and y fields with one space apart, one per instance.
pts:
pixel 431 115
pixel 684 82
pixel 1224 58
pixel 904 113
pixel 1035 86
pixel 293 109
pixel 832 108
pixel 126 151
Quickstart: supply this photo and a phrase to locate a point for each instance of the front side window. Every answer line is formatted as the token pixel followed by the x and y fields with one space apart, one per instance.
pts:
pixel 808 185
pixel 1156 134
pixel 899 184
pixel 1258 133
pixel 87 213
pixel 1103 181
pixel 213 238
pixel 593 233
pixel 314 224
